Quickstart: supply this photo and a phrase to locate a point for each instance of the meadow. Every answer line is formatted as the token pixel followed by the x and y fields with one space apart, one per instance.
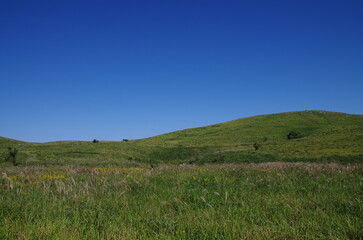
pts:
pixel 221 201
pixel 202 183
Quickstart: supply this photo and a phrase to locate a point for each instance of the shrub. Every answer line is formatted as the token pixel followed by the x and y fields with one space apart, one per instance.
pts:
pixel 13 152
pixel 196 153
pixel 95 141
pixel 257 146
pixel 293 135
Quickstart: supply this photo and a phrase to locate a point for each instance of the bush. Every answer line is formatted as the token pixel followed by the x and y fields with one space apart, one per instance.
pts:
pixel 257 146
pixel 195 155
pixel 95 141
pixel 13 152
pixel 293 135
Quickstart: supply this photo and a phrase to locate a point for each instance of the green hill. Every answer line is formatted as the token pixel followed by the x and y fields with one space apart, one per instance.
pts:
pixel 325 136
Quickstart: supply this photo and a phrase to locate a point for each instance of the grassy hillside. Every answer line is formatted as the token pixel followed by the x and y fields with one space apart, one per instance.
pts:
pixel 117 190
pixel 326 136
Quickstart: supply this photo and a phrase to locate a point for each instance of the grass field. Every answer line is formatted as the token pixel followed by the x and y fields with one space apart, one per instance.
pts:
pixel 237 201
pixel 201 183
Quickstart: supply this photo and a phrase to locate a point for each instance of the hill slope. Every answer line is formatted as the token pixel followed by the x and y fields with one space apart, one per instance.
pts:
pixel 326 136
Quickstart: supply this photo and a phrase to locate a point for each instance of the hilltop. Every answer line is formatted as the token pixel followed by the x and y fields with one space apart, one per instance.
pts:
pixel 324 136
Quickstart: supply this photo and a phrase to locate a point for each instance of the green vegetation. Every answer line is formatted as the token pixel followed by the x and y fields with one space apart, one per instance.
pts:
pixel 293 135
pixel 327 137
pixel 13 152
pixel 265 201
pixel 244 179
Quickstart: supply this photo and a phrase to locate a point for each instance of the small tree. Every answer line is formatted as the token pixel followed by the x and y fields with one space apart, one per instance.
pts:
pixel 95 141
pixel 293 135
pixel 195 155
pixel 13 152
pixel 256 146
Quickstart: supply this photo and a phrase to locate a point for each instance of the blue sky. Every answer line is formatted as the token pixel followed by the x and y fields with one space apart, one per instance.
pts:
pixel 79 70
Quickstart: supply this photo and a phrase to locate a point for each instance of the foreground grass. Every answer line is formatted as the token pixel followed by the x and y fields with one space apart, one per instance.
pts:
pixel 250 201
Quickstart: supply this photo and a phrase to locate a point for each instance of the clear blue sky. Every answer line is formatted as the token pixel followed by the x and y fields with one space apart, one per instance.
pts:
pixel 79 70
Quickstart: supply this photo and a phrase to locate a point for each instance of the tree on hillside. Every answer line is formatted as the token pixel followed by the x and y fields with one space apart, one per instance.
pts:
pixel 95 141
pixel 293 135
pixel 195 155
pixel 13 152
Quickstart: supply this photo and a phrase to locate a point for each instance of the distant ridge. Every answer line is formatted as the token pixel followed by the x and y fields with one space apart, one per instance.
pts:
pixel 323 136
pixel 2 138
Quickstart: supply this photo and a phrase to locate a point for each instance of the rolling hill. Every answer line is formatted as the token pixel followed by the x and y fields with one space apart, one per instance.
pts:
pixel 325 136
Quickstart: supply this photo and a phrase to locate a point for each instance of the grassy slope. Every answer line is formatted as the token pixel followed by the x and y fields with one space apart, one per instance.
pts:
pixel 328 136
pixel 213 201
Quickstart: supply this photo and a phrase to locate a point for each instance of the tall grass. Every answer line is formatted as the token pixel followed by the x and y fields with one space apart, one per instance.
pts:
pixel 258 201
